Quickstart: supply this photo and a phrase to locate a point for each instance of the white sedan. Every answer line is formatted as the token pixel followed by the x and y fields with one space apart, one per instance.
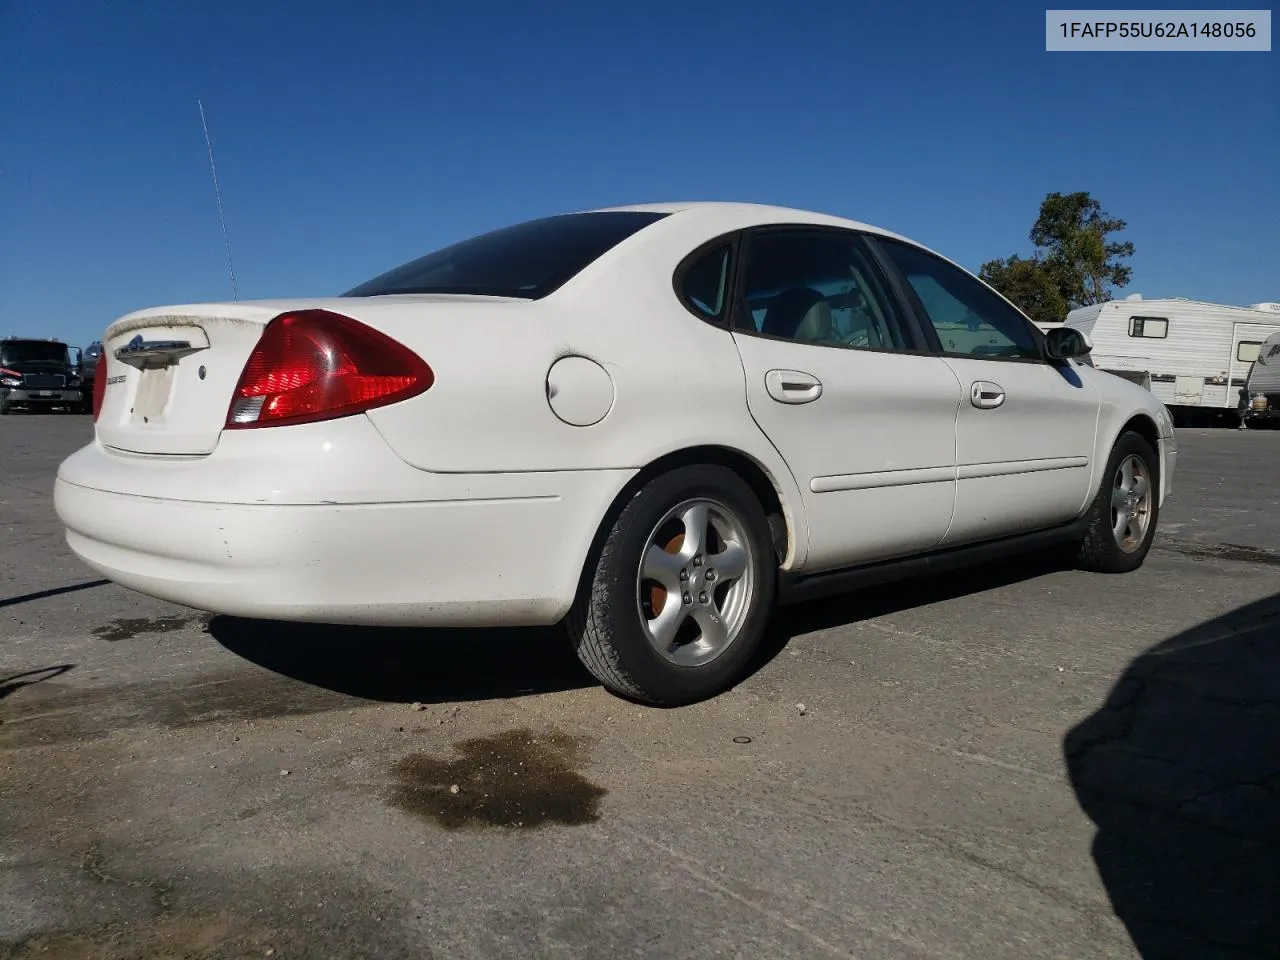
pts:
pixel 650 422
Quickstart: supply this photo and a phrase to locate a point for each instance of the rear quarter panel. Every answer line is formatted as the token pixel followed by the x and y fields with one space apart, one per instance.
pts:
pixel 677 381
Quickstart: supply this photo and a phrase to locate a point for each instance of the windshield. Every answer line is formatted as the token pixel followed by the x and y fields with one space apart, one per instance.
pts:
pixel 526 261
pixel 33 351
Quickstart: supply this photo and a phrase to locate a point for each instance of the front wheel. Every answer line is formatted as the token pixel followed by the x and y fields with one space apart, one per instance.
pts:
pixel 1123 516
pixel 680 590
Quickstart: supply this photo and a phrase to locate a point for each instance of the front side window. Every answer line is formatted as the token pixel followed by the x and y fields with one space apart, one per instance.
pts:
pixel 968 318
pixel 818 286
pixel 1247 350
pixel 526 261
pixel 1150 328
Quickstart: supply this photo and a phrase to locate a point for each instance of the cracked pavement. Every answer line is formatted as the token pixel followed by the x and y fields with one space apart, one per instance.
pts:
pixel 1011 762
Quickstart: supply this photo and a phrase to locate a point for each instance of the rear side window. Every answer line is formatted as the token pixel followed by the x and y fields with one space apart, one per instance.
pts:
pixel 526 261
pixel 817 286
pixel 704 286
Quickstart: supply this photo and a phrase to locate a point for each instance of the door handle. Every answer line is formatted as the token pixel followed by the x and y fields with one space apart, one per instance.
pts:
pixel 986 395
pixel 792 386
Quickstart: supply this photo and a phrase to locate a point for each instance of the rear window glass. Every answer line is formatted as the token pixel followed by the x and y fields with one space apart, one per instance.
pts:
pixel 528 261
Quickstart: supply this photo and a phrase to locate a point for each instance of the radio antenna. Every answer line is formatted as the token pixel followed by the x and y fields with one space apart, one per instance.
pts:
pixel 217 193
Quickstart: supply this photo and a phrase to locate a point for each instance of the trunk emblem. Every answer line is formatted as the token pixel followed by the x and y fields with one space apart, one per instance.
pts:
pixel 154 354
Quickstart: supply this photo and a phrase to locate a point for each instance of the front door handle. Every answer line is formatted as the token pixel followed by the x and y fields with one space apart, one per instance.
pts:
pixel 792 386
pixel 986 395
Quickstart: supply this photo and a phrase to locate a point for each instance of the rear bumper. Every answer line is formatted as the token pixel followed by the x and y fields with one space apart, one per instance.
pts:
pixel 464 550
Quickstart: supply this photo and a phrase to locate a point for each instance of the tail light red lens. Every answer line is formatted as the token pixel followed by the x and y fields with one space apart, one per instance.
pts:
pixel 316 365
pixel 99 383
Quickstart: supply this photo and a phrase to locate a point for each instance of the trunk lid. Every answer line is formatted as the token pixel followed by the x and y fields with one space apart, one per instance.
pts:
pixel 171 372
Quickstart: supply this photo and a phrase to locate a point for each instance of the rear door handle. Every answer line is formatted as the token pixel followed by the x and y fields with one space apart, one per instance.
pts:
pixel 986 395
pixel 792 386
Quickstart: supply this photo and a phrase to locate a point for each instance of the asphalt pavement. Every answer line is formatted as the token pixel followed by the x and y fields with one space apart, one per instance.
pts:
pixel 1019 762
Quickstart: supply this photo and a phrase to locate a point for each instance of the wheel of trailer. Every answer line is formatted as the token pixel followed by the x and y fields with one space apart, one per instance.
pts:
pixel 677 595
pixel 1122 518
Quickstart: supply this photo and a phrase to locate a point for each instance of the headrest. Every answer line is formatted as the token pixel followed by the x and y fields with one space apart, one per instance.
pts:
pixel 798 313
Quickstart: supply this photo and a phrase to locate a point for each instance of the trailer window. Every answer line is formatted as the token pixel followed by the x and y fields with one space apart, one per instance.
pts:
pixel 1154 328
pixel 1247 350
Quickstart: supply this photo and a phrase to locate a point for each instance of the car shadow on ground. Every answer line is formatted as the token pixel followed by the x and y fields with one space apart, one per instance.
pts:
pixel 1180 772
pixel 407 665
pixel 854 606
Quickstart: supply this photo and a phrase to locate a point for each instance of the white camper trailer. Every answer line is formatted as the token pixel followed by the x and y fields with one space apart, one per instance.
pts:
pixel 1196 354
pixel 1261 401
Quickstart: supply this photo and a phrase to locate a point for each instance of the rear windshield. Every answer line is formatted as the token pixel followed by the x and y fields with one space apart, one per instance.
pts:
pixel 526 261
pixel 33 351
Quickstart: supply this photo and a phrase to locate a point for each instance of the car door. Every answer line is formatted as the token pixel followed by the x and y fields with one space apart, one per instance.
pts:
pixel 836 380
pixel 1026 430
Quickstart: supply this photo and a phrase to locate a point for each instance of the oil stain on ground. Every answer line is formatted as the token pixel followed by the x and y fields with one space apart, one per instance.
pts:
pixel 130 629
pixel 518 779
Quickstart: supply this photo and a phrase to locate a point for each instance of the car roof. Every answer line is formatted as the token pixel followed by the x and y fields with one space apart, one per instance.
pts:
pixel 717 215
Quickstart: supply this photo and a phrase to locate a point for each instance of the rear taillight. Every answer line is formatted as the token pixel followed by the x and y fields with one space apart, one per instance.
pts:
pixel 99 385
pixel 315 365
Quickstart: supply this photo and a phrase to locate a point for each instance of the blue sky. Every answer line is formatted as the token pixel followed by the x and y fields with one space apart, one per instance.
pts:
pixel 352 137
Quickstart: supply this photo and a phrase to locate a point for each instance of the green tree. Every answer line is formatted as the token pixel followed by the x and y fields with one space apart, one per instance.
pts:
pixel 1072 234
pixel 1032 285
pixel 1075 263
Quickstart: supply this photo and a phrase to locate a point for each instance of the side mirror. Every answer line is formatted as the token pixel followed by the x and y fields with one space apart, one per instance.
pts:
pixel 1066 343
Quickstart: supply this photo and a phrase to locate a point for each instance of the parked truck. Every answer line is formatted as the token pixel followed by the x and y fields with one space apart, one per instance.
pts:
pixel 39 374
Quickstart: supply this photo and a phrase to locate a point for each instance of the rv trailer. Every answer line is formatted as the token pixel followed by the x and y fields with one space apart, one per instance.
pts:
pixel 1196 354
pixel 1260 402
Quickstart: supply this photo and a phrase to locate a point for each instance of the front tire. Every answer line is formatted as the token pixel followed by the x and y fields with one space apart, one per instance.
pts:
pixel 1123 516
pixel 679 593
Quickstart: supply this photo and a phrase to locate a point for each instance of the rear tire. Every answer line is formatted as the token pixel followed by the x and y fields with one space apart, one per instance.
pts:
pixel 694 544
pixel 1123 517
pixel 5 407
